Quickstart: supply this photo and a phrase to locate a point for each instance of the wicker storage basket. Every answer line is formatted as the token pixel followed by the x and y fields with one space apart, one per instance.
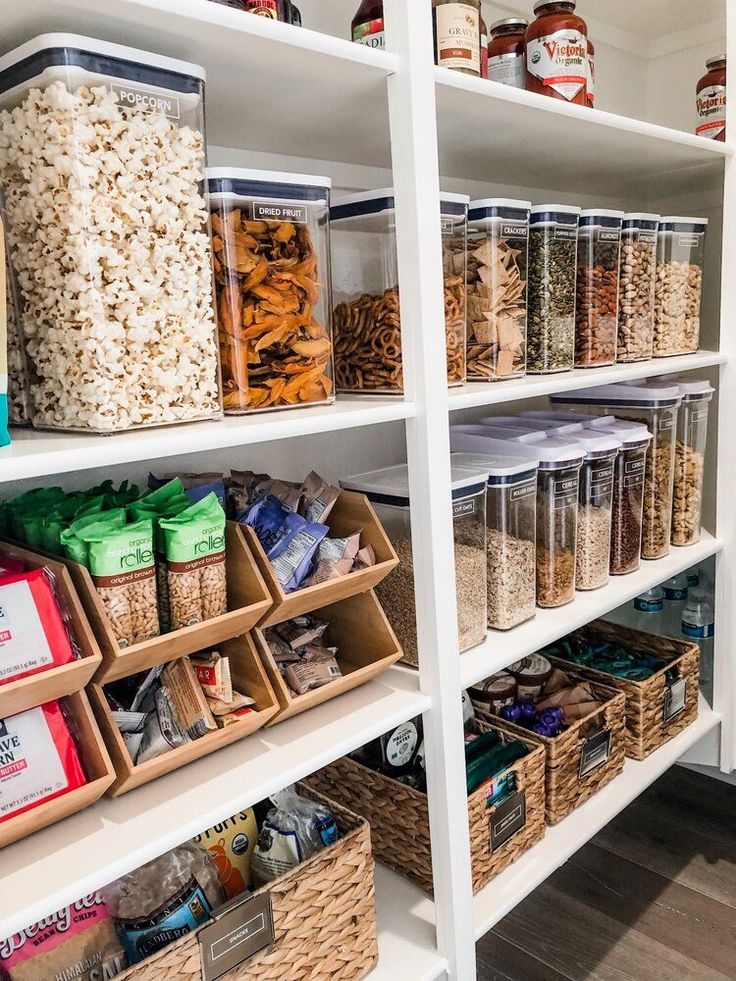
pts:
pixel 324 919
pixel 567 786
pixel 647 725
pixel 399 817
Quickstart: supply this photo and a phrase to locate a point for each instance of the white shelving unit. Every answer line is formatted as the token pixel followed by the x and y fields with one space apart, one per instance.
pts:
pixel 310 101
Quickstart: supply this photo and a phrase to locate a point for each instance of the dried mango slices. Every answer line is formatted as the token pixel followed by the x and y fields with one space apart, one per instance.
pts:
pixel 274 351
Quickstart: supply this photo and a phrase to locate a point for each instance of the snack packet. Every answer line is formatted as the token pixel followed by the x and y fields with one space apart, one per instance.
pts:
pixel 335 558
pixel 213 675
pixel 294 830
pixel 187 698
pixel 315 668
pixel 33 636
pixel 289 540
pixel 318 498
pixel 230 845
pixel 162 731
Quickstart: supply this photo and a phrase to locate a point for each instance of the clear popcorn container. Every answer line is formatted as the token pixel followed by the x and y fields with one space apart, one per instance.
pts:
pixel 102 161
pixel 690 449
pixel 679 286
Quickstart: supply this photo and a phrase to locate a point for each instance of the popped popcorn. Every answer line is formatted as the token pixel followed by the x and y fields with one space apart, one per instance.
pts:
pixel 18 410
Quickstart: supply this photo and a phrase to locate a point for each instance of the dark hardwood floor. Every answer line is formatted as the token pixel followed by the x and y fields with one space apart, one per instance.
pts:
pixel 651 898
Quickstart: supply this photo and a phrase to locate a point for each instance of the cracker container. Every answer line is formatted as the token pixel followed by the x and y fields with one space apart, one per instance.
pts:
pixel 692 436
pixel 271 245
pixel 388 492
pixel 102 158
pixel 679 289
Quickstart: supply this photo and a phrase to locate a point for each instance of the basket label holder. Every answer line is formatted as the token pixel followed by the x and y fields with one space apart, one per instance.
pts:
pixel 508 818
pixel 240 930
pixel 675 698
pixel 595 752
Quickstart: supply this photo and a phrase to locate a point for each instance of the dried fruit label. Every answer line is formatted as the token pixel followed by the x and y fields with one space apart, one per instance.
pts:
pixel 143 100
pixel 296 214
pixel 31 768
pixel 507 69
pixel 559 61
pixel 23 643
pixel 458 37
pixel 371 34
pixel 711 106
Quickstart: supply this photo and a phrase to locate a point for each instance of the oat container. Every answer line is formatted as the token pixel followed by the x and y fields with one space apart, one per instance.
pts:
pixel 388 492
pixel 367 320
pixel 271 246
pixel 102 159
pixel 559 460
pixel 553 244
pixel 637 275
pixel 679 288
pixel 596 303
pixel 690 446
pixel 511 505
pixel 498 253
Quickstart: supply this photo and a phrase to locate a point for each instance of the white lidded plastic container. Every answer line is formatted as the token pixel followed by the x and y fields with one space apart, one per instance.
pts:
pixel 679 290
pixel 690 449
pixel 511 506
pixel 637 277
pixel 596 307
pixel 388 492
pixel 532 424
pixel 271 249
pixel 559 460
pixel 102 159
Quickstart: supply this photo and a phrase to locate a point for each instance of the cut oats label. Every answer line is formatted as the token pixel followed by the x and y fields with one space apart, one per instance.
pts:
pixel 711 106
pixel 559 61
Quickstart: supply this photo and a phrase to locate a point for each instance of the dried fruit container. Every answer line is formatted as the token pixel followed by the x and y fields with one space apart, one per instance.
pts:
pixel 692 436
pixel 559 460
pixel 553 247
pixel 637 275
pixel 511 535
pixel 388 492
pixel 138 347
pixel 653 404
pixel 596 305
pixel 679 288
pixel 367 318
pixel 498 253
pixel 271 245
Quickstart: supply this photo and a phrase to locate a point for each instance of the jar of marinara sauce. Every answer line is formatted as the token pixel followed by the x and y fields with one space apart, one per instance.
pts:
pixel 710 99
pixel 557 52
pixel 506 52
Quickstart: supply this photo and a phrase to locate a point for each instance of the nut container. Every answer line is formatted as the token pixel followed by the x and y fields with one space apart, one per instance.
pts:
pixel 692 435
pixel 367 317
pixel 595 508
pixel 637 277
pixel 388 492
pixel 111 254
pixel 596 306
pixel 498 252
pixel 270 239
pixel 679 288
pixel 553 245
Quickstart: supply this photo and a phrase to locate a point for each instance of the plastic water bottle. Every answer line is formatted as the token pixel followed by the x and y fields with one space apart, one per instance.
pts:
pixel 675 597
pixel 698 625
pixel 646 612
pixel 693 577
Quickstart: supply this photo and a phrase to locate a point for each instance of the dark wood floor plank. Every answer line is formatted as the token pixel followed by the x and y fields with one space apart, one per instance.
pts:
pixel 499 960
pixel 698 802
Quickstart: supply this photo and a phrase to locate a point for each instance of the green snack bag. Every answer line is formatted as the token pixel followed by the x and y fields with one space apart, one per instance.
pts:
pixel 195 560
pixel 123 496
pixel 121 564
pixel 57 521
pixel 160 509
pixel 73 547
pixel 159 497
pixel 24 509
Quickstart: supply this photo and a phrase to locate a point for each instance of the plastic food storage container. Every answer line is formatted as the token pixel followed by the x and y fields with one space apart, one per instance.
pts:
pixel 637 275
pixel 388 491
pixel 679 288
pixel 553 246
pixel 19 405
pixel 535 423
pixel 692 435
pixel 367 320
pixel 498 252
pixel 271 245
pixel 596 305
pixel 559 461
pixel 102 158
pixel 511 505
pixel 653 404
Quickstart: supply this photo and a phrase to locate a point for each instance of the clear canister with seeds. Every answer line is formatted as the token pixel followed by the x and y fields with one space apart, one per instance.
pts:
pixel 637 274
pixel 596 305
pixel 679 285
pixel 690 447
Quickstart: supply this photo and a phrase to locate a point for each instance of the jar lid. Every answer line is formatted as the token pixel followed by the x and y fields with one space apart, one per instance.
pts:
pixel 633 219
pixel 546 3
pixel 601 212
pixel 561 214
pixel 647 394
pixel 631 435
pixel 533 668
pixel 499 686
pixel 549 452
pixel 499 205
pixel 601 218
pixel 238 182
pixel 554 426
pixel 597 444
pixel 676 223
pixel 509 22
pixel 365 203
pixel 694 390
pixel 715 60
pixel 500 469
pixel 390 485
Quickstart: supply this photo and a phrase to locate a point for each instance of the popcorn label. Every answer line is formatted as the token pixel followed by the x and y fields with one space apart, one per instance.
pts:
pixel 147 101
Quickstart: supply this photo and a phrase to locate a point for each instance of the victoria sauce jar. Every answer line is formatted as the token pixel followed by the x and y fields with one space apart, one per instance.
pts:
pixel 557 52
pixel 710 100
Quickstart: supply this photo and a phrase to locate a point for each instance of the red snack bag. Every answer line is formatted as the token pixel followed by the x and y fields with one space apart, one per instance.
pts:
pixel 33 637
pixel 10 566
pixel 38 759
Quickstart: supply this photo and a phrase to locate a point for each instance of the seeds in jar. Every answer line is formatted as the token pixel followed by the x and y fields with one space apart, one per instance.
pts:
pixel 555 576
pixel 511 580
pixel 593 546
pixel 596 307
pixel 551 320
pixel 626 517
pixel 687 498
pixel 657 499
pixel 677 295
pixel 636 291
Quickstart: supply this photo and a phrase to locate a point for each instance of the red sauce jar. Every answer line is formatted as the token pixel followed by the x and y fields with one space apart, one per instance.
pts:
pixel 273 9
pixel 591 74
pixel 557 52
pixel 367 26
pixel 483 48
pixel 710 99
pixel 506 52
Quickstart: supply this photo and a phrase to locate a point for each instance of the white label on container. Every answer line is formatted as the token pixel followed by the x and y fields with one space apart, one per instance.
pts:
pixel 23 643
pixel 565 492
pixel 458 37
pixel 711 108
pixel 689 241
pixel 507 69
pixel 461 509
pixel 665 424
pixel 675 698
pixel 699 415
pixel 635 466
pixel 559 61
pixel 268 211
pixel 144 100
pixel 451 224
pixel 566 233
pixel 646 237
pixel 30 765
pixel 526 490
pixel 400 747
pixel 609 235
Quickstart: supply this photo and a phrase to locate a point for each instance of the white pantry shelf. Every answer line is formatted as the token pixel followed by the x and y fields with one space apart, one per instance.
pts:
pixel 41 454
pixel 503 648
pixel 406 931
pixel 54 867
pixel 560 842
pixel 533 386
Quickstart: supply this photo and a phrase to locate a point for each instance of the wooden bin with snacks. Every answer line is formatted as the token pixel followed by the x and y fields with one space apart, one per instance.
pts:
pixel 351 513
pixel 64 679
pixel 660 707
pixel 323 911
pixel 399 816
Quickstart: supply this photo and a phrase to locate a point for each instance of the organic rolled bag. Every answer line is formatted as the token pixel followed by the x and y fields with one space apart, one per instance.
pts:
pixel 76 548
pixel 195 561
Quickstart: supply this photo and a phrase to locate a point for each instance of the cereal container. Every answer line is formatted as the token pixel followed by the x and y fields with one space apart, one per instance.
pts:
pixel 637 274
pixel 692 434
pixel 388 492
pixel 498 252
pixel 270 239
pixel 511 506
pixel 559 460
pixel 679 288
pixel 367 319
pixel 553 246
pixel 596 306
pixel 595 508
pixel 102 158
